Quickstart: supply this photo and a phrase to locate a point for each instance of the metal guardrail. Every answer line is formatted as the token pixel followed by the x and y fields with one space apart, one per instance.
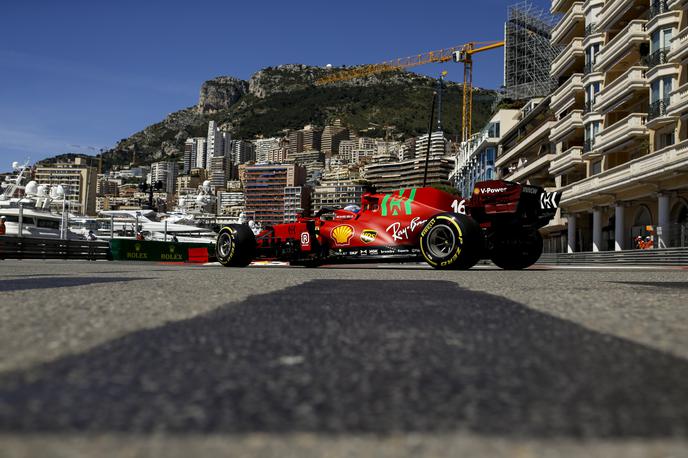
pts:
pixel 37 248
pixel 659 256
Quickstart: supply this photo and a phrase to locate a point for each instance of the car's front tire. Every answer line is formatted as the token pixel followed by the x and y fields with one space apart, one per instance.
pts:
pixel 451 241
pixel 235 246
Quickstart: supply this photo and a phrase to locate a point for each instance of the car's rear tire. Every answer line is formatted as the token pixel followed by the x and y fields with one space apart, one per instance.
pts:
pixel 235 246
pixel 451 241
pixel 516 253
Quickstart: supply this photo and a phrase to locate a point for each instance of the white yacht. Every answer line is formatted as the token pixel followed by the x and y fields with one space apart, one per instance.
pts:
pixel 32 213
pixel 125 222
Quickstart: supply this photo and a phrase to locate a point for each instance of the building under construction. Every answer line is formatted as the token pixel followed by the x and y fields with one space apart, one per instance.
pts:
pixel 528 52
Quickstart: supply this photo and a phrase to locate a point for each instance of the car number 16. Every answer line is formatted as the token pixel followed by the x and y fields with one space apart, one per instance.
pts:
pixel 459 207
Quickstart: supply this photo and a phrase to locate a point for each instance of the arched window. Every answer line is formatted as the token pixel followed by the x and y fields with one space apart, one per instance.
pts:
pixel 679 214
pixel 643 217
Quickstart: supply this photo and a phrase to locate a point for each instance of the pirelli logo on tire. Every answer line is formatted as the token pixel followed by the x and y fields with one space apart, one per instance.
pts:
pixel 428 227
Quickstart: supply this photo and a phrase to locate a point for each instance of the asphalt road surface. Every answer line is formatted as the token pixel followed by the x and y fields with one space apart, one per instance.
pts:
pixel 127 359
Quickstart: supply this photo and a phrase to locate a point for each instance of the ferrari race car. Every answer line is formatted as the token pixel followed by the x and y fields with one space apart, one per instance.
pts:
pixel 500 221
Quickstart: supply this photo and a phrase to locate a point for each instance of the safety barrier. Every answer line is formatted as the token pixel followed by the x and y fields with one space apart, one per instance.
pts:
pixel 12 247
pixel 660 256
pixel 149 250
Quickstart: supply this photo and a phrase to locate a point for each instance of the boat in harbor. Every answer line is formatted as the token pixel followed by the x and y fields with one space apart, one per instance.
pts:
pixel 31 210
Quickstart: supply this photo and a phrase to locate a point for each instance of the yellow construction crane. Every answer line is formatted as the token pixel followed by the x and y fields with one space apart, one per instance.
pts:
pixel 461 54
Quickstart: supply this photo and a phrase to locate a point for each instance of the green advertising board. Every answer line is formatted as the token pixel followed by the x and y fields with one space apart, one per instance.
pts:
pixel 146 250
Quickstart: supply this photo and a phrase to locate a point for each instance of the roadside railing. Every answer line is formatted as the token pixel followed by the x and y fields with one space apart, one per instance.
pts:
pixel 657 256
pixel 12 247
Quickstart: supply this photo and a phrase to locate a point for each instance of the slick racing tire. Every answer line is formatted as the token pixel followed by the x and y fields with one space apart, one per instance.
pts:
pixel 235 246
pixel 517 253
pixel 451 241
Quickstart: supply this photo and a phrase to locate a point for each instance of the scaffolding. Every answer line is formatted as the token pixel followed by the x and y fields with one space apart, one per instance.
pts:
pixel 528 52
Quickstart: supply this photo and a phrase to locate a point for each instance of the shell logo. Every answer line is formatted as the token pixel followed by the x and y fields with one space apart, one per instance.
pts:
pixel 476 191
pixel 342 234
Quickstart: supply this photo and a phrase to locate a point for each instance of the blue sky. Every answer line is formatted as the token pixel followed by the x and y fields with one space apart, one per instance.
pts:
pixel 76 76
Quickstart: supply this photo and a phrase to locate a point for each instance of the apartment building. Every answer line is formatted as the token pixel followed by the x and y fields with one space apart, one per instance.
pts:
pixel 390 176
pixel 475 159
pixel 264 189
pixel 336 195
pixel 166 172
pixel 313 162
pixel 242 151
pixel 107 186
pixel 230 203
pixel 312 137
pixel 263 148
pixel 195 153
pixel 78 179
pixel 295 142
pixel 220 169
pixel 621 119
pixel 188 184
pixel 297 202
pixel 332 136
pixel 218 143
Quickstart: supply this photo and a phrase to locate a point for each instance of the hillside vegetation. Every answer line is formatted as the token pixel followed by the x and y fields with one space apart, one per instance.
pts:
pixel 279 98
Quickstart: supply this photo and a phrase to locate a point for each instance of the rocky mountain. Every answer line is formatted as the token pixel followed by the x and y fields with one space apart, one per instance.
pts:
pixel 286 97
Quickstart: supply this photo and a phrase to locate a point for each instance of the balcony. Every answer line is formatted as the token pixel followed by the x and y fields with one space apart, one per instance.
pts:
pixel 657 114
pixel 565 95
pixel 659 57
pixel 623 47
pixel 561 6
pixel 624 132
pixel 657 109
pixel 621 89
pixel 530 168
pixel 589 29
pixel 567 160
pixel 525 143
pixel 614 11
pixel 655 166
pixel 567 58
pixel 566 126
pixel 679 101
pixel 658 7
pixel 679 47
pixel 572 23
pixel 661 18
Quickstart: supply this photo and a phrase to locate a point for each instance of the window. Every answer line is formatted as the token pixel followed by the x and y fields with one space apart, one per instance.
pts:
pixel 596 168
pixel 591 53
pixel 493 130
pixel 660 39
pixel 590 132
pixel 659 96
pixel 48 223
pixel 593 89
pixel 666 140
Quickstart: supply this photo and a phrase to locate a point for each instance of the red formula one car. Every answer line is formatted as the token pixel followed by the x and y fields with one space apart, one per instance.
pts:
pixel 499 222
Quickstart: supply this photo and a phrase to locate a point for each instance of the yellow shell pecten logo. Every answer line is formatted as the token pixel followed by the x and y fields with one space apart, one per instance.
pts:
pixel 342 234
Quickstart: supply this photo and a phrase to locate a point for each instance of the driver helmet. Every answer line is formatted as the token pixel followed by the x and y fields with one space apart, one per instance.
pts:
pixel 352 208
